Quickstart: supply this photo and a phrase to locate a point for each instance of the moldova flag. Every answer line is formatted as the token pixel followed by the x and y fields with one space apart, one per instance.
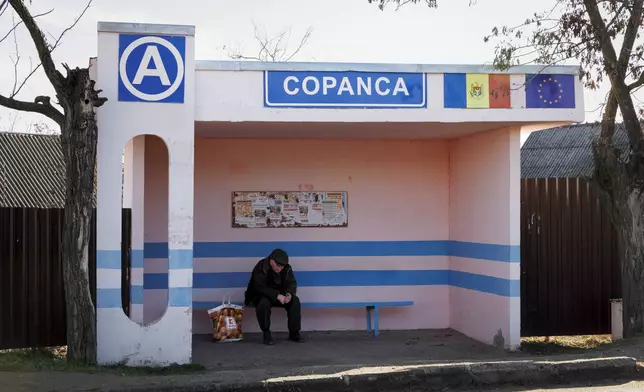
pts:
pixel 550 91
pixel 476 91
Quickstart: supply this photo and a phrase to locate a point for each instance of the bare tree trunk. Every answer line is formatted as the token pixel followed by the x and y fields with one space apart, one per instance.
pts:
pixel 619 185
pixel 76 94
pixel 632 242
pixel 621 179
pixel 79 138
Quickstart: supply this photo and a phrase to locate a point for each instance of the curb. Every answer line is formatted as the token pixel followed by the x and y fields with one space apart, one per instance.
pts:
pixel 428 377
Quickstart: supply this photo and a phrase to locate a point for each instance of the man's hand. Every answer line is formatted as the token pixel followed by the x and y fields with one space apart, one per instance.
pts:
pixel 288 298
pixel 281 298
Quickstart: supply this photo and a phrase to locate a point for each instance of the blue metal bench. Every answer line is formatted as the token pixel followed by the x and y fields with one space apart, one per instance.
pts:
pixel 369 306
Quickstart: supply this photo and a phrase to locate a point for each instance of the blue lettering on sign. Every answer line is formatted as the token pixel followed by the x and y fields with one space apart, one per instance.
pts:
pixel 151 68
pixel 297 89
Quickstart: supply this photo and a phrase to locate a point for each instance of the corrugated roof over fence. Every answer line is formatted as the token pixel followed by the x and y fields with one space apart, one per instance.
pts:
pixel 564 152
pixel 32 171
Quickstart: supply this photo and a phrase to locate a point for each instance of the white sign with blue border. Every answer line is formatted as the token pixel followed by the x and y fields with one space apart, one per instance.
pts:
pixel 151 68
pixel 352 89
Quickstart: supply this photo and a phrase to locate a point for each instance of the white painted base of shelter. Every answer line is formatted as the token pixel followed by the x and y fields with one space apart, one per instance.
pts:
pixel 428 155
pixel 162 343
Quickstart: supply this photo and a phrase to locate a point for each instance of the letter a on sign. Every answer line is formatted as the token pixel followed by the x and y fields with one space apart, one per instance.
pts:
pixel 151 53
pixel 151 68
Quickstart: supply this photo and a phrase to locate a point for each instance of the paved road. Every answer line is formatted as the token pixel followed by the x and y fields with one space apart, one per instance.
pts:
pixel 633 386
pixel 628 387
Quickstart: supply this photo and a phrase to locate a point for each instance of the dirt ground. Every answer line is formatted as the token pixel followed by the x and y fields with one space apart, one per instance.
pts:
pixel 321 353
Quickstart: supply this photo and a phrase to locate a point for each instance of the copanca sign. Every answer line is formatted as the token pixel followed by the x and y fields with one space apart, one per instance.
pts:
pixel 352 89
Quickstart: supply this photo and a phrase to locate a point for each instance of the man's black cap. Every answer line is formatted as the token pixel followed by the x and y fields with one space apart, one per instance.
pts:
pixel 279 256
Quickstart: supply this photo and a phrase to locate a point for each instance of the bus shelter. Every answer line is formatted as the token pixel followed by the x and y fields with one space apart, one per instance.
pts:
pixel 383 182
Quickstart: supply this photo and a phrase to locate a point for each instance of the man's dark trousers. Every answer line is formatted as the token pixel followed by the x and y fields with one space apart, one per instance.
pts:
pixel 293 311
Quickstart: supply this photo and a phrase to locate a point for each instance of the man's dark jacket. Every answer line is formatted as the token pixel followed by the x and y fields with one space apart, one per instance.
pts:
pixel 266 282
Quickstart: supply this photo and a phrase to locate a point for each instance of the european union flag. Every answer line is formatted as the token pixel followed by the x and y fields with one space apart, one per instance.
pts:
pixel 550 91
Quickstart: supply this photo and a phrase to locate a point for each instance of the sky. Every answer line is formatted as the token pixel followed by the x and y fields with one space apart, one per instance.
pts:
pixel 342 31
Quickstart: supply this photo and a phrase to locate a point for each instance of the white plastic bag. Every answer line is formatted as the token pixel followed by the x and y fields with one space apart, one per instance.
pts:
pixel 227 322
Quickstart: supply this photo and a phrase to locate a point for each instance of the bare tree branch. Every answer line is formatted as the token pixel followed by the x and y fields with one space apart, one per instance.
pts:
pixel 40 105
pixel 303 42
pixel 16 62
pixel 275 48
pixel 89 4
pixel 382 4
pixel 17 88
pixel 41 128
pixel 19 22
pixel 24 81
pixel 42 47
pixel 4 5
pixel 12 126
pixel 54 46
pixel 639 82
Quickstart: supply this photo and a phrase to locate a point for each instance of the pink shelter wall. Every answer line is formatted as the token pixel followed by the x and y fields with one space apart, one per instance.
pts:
pixel 386 182
pixel 397 191
pixel 485 208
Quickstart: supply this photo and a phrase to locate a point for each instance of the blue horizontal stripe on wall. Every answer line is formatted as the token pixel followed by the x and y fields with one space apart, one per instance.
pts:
pixel 505 253
pixel 473 250
pixel 137 257
pixel 136 295
pixel 311 279
pixel 483 283
pixel 180 297
pixel 109 259
pixel 180 259
pixel 109 298
pixel 307 248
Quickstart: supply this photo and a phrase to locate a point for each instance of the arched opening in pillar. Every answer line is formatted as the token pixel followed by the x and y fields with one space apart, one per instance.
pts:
pixel 145 212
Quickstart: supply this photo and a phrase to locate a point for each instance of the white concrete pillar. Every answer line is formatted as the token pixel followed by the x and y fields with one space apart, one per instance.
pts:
pixel 134 198
pixel 140 101
pixel 485 234
pixel 513 179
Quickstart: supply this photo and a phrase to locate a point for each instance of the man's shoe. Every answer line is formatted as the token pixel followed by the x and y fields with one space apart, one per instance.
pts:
pixel 268 339
pixel 295 337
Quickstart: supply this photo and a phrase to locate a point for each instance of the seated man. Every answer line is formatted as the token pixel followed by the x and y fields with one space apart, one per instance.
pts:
pixel 272 284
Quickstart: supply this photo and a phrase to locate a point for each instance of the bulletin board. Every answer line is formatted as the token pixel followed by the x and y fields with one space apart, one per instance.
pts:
pixel 265 209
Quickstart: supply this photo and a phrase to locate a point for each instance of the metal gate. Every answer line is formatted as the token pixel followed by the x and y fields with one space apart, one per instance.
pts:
pixel 32 297
pixel 570 267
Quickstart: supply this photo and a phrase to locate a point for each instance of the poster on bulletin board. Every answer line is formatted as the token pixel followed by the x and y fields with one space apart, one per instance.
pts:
pixel 289 209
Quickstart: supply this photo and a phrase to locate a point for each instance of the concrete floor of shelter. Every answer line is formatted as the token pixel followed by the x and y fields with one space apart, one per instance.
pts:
pixel 324 354
pixel 352 349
